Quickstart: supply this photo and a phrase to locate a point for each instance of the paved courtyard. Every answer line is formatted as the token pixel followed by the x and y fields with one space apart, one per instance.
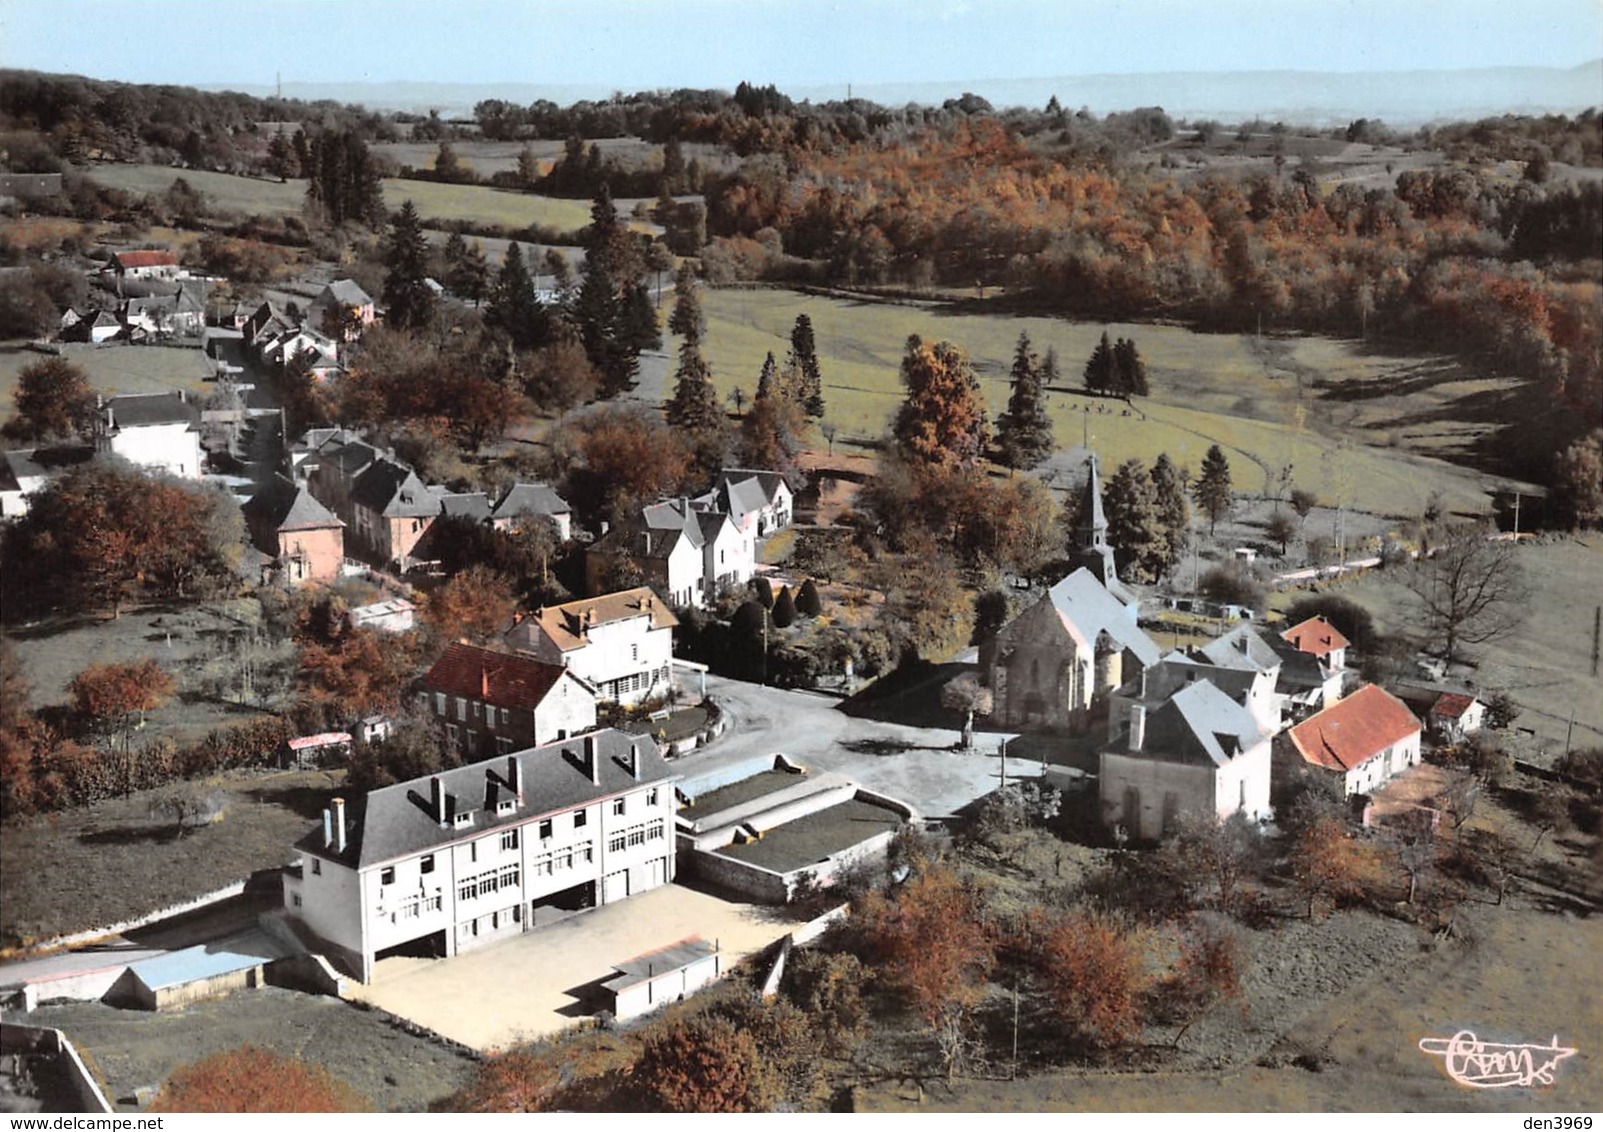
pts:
pixel 543 981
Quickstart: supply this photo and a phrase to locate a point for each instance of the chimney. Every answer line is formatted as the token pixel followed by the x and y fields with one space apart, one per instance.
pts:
pixel 437 798
pixel 515 776
pixel 592 760
pixel 1138 726
pixel 634 761
pixel 1241 642
pixel 484 682
pixel 339 825
pixel 328 830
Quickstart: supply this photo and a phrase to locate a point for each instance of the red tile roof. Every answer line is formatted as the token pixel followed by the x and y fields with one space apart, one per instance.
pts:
pixel 498 678
pixel 1451 705
pixel 1316 636
pixel 1354 730
pixel 146 259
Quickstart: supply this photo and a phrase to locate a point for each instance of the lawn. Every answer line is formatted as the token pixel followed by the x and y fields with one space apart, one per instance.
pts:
pixel 1228 389
pixel 473 203
pixel 1546 663
pixel 114 369
pixel 89 867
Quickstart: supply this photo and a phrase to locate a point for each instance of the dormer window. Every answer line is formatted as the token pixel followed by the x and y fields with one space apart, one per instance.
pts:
pixel 462 820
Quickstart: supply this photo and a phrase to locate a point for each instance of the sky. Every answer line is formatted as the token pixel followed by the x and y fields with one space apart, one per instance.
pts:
pixel 647 44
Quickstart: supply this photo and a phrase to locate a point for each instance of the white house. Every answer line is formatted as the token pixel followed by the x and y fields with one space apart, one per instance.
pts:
pixel 689 554
pixel 1315 663
pixel 343 299
pixel 27 471
pixel 525 501
pixel 159 431
pixel 493 703
pixel 1455 716
pixel 759 503
pixel 444 863
pixel 1197 752
pixel 1357 744
pixel 621 643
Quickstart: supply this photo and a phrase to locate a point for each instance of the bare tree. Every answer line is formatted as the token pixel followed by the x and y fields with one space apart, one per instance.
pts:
pixel 1469 592
pixel 966 694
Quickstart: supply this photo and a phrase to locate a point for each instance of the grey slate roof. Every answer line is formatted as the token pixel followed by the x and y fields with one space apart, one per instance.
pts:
pixel 289 507
pixel 1086 602
pixel 530 499
pixel 394 491
pixel 1199 724
pixel 675 515
pixel 346 291
pixel 465 505
pixel 29 463
pixel 1178 670
pixel 142 409
pixel 644 968
pixel 398 821
pixel 1244 648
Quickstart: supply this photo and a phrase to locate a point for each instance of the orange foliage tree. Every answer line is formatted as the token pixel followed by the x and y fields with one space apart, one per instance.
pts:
pixel 251 1079
pixel 1328 864
pixel 108 697
pixel 1094 971
pixel 475 604
pixel 700 1064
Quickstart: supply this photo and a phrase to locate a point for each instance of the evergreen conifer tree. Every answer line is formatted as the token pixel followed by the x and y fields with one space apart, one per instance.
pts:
pixel 408 301
pixel 1099 370
pixel 694 406
pixel 687 320
pixel 1130 369
pixel 1212 490
pixel 1174 513
pixel 1135 527
pixel 513 306
pixel 809 392
pixel 1025 430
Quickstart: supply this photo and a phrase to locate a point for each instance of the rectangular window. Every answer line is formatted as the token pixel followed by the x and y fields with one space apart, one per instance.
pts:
pixel 478 711
pixel 580 817
pixel 464 819
pixel 450 733
pixel 503 744
pixel 317 867
pixel 545 830
pixel 506 717
pixel 461 709
pixel 387 876
pixel 509 840
pixel 506 805
pixel 296 899
pixel 426 866
pixel 439 703
pixel 637 836
pixel 615 844
pixel 617 808
pixel 651 796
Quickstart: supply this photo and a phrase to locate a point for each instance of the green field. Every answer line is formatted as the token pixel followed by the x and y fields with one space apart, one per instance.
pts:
pixel 473 203
pixel 1228 389
pixel 114 369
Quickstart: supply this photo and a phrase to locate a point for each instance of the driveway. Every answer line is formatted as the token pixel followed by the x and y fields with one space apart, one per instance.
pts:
pixel 543 981
pixel 916 765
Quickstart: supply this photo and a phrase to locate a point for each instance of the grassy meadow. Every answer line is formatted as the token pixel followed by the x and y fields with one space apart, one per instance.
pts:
pixel 114 369
pixel 1228 389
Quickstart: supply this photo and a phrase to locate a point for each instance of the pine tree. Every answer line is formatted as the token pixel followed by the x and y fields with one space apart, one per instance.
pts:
pixel 638 330
pixel 408 301
pixel 694 406
pixel 1099 370
pixel 1130 370
pixel 1174 513
pixel 942 422
pixel 809 393
pixel 1212 491
pixel 512 303
pixel 1025 430
pixel 466 272
pixel 687 319
pixel 599 308
pixel 1135 527
pixel 768 380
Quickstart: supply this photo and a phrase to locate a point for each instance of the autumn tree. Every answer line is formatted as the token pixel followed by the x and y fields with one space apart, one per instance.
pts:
pixel 515 1080
pixel 966 695
pixel 1577 482
pixel 620 458
pixel 1329 865
pixel 1468 592
pixel 1212 489
pixel 770 434
pixel 1212 859
pixel 933 943
pixel 700 1064
pixel 252 1079
pixel 1024 432
pixel 809 391
pixel 1094 973
pixel 475 605
pixel 1209 968
pixel 1135 526
pixel 53 400
pixel 112 699
pixel 408 301
pixel 942 421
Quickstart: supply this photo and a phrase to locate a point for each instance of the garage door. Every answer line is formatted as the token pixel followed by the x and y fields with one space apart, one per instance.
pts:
pixel 615 887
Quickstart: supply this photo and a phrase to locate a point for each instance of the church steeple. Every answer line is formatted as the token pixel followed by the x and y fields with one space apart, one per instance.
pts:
pixel 1091 531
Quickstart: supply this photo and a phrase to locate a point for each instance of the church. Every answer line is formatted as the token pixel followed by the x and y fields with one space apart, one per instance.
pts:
pixel 1054 667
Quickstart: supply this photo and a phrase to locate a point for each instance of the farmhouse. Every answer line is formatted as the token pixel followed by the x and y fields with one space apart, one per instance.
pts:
pixel 158 431
pixel 303 540
pixel 621 644
pixel 144 263
pixel 1354 746
pixel 758 503
pixel 341 309
pixel 1313 665
pixel 493 703
pixel 525 501
pixel 26 471
pixel 444 863
pixel 690 555
pixel 1196 751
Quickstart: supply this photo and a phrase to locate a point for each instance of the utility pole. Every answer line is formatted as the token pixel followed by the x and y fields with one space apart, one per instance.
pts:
pixel 1597 631
pixel 1516 516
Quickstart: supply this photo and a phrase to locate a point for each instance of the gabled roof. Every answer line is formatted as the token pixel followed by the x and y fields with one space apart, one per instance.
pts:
pixel 736 497
pixel 144 258
pixel 346 291
pixel 1160 681
pixel 146 410
pixel 42 463
pixel 503 679
pixel 1084 602
pixel 1355 730
pixel 530 499
pixel 394 491
pixel 289 506
pixel 566 624
pixel 1200 724
pixel 1315 636
pixel 465 505
pixel 769 481
pixel 669 517
pixel 1451 705
pixel 1243 647
pixel 399 821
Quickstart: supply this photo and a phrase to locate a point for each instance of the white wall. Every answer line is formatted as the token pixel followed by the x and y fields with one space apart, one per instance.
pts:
pixel 171 448
pixel 568 709
pixel 623 648
pixel 1243 784
pixel 1193 787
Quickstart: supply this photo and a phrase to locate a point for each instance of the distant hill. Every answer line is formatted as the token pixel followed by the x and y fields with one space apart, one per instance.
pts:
pixel 1401 98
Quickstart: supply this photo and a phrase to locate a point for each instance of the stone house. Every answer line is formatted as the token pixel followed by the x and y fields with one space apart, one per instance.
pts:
pixel 157 431
pixel 493 702
pixel 303 540
pixel 1353 746
pixel 621 643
